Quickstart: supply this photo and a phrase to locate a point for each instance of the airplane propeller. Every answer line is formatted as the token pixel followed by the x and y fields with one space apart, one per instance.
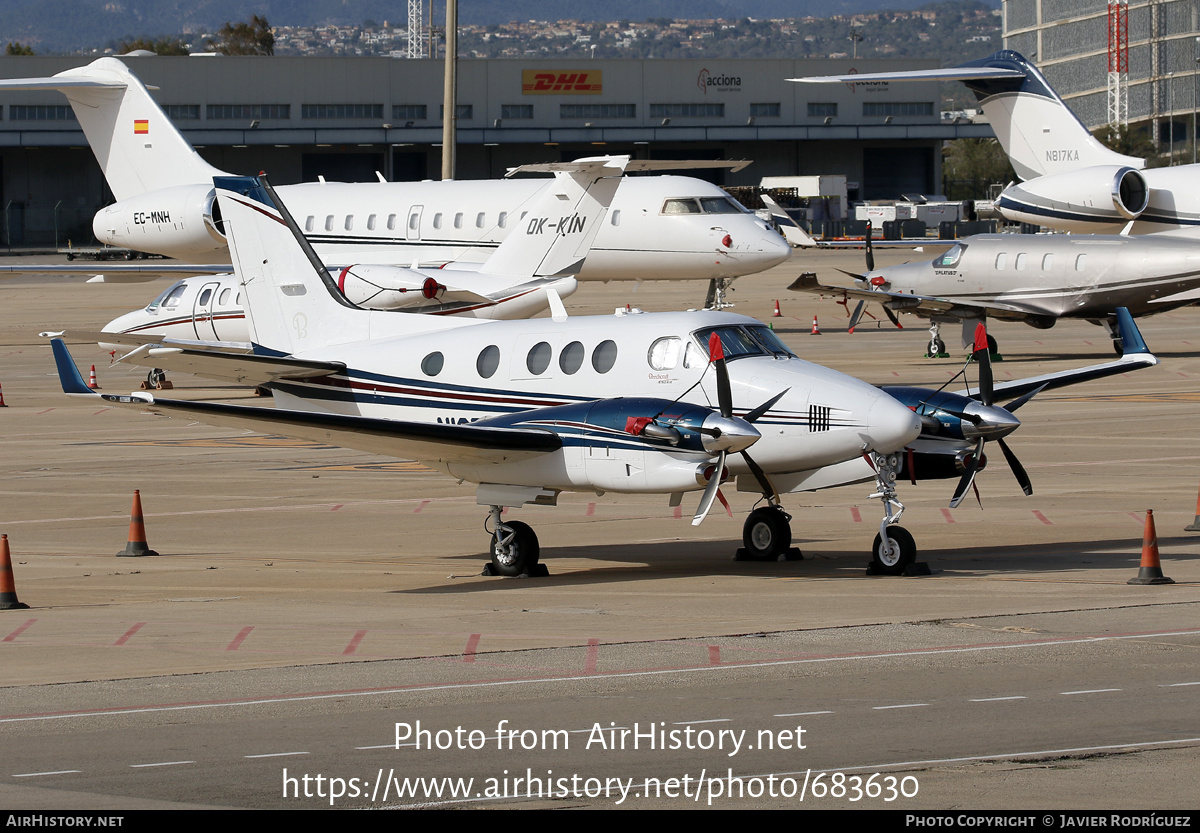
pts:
pixel 990 422
pixel 860 306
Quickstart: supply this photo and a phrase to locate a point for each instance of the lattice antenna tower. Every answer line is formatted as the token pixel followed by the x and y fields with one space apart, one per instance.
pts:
pixel 416 29
pixel 1118 65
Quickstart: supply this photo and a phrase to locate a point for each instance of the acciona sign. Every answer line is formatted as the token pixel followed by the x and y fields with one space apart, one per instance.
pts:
pixel 718 81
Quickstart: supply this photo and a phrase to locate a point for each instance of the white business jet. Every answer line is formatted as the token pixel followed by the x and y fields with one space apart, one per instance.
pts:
pixel 528 409
pixel 658 228
pixel 1072 181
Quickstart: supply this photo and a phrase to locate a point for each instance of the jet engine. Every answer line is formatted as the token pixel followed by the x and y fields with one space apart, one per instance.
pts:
pixel 1095 199
pixel 388 287
pixel 181 222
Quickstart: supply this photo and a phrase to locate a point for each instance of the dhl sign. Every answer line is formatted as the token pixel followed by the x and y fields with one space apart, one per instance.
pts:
pixel 555 82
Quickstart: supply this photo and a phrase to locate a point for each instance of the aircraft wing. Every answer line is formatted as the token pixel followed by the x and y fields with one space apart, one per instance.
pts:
pixel 633 165
pixel 428 442
pixel 947 74
pixel 122 272
pixel 919 304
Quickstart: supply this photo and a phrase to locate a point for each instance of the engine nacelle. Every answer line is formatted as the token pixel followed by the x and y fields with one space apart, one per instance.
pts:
pixel 388 287
pixel 1096 199
pixel 181 222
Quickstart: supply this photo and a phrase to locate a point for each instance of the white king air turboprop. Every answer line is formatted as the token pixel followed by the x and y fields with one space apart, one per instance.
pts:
pixel 531 408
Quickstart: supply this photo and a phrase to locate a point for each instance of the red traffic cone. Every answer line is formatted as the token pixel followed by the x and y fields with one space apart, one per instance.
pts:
pixel 816 330
pixel 92 379
pixel 1194 526
pixel 2 405
pixel 8 587
pixel 777 314
pixel 137 530
pixel 1151 571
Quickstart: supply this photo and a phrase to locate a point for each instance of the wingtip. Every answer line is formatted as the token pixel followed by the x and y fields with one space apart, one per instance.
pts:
pixel 68 374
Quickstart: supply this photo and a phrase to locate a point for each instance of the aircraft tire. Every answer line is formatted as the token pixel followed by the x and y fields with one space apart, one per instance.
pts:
pixel 895 563
pixel 936 347
pixel 519 555
pixel 767 533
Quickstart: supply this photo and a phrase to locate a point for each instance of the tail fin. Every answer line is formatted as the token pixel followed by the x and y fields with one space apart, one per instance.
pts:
pixel 556 235
pixel 135 143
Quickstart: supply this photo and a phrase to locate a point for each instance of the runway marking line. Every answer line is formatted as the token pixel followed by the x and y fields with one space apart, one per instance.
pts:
pixel 125 637
pixel 714 654
pixel 276 755
pixel 592 643
pixel 803 714
pixel 900 706
pixel 20 630
pixel 56 772
pixel 239 639
pixel 855 515
pixel 1042 518
pixel 161 763
pixel 1091 691
pixel 592 657
pixel 997 699
pixel 354 642
pixel 946 514
pixel 472 645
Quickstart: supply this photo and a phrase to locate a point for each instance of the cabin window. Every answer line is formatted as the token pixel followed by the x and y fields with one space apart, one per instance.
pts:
pixel 204 298
pixel 309 223
pixel 503 222
pixel 1020 262
pixel 572 358
pixel 1001 260
pixel 413 219
pixel 329 223
pixel 604 356
pixel 458 220
pixel 523 213
pixel 1047 261
pixel 391 223
pixel 488 361
pixel 479 219
pixel 437 220
pixel 681 207
pixel 371 222
pixel 664 353
pixel 538 359
pixel 616 217
pixel 349 222
pixel 224 300
pixel 1080 263
pixel 432 364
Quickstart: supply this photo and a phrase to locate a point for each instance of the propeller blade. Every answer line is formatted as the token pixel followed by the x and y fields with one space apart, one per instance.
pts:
pixel 892 317
pixel 1017 469
pixel 766 406
pixel 870 253
pixel 964 484
pixel 854 275
pixel 710 491
pixel 716 355
pixel 857 314
pixel 1021 400
pixel 983 357
pixel 768 488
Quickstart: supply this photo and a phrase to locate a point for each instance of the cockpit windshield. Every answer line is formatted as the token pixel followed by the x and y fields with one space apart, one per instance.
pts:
pixel 169 299
pixel 739 341
pixel 950 259
pixel 702 205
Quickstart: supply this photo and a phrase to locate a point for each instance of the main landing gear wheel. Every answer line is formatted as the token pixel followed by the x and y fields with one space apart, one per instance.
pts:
pixel 156 377
pixel 936 348
pixel 767 535
pixel 515 549
pixel 901 551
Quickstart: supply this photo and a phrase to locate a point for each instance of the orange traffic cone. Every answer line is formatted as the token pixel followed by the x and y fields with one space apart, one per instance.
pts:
pixel 777 314
pixel 8 587
pixel 816 331
pixel 2 405
pixel 137 530
pixel 92 379
pixel 1194 526
pixel 1151 571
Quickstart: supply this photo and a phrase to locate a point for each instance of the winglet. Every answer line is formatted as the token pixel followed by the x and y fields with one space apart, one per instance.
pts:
pixel 68 374
pixel 1132 342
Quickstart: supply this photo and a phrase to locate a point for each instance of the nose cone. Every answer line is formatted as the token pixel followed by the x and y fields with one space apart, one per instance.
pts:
pixel 728 434
pixel 890 425
pixel 989 422
pixel 773 249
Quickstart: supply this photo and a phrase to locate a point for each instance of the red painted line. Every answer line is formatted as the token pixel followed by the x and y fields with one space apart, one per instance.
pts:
pixel 593 654
pixel 353 646
pixel 1139 518
pixel 1178 373
pixel 472 645
pixel 129 634
pixel 12 636
pixel 855 515
pixel 591 510
pixel 102 410
pixel 1085 341
pixel 714 654
pixel 1042 518
pixel 239 639
pixel 678 511
pixel 39 413
pixel 894 373
pixel 946 514
pixel 336 507
pixel 421 506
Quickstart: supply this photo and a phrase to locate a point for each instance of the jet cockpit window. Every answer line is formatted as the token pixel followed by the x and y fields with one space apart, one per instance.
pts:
pixel 737 342
pixel 681 207
pixel 169 299
pixel 719 205
pixel 951 258
pixel 770 342
pixel 664 353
